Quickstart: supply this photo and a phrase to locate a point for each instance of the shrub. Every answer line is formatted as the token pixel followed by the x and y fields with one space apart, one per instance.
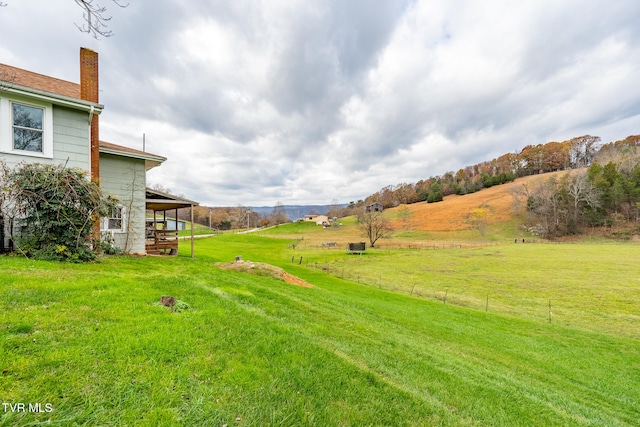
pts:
pixel 435 196
pixel 57 207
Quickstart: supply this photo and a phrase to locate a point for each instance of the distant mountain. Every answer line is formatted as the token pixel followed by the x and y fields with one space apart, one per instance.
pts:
pixel 295 211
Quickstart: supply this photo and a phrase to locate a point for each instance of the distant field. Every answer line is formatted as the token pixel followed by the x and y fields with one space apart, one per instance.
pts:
pixel 594 286
pixel 311 236
pixel 431 224
pixel 449 215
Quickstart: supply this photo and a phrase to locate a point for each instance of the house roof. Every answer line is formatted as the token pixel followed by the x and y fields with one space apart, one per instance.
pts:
pixel 17 80
pixel 160 201
pixel 150 160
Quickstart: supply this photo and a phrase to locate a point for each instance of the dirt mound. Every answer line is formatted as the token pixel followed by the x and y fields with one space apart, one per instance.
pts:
pixel 451 213
pixel 263 269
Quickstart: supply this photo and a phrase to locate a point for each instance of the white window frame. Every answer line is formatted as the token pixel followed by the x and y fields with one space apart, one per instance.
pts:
pixel 105 223
pixel 6 126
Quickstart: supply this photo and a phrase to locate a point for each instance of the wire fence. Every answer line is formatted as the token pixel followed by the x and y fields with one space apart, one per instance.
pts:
pixel 392 246
pixel 540 308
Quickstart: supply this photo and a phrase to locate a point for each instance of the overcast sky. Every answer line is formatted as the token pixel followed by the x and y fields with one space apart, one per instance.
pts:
pixel 307 101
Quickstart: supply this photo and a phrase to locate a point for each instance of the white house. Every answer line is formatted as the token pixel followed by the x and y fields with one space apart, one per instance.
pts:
pixel 48 120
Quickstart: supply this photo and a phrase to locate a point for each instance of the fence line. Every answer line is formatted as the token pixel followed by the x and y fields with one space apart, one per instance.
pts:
pixel 390 246
pixel 443 295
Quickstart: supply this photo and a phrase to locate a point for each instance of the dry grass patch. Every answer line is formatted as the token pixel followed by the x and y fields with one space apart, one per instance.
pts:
pixel 264 270
pixel 451 213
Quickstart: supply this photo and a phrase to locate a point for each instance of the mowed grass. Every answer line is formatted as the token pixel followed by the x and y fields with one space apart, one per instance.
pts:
pixel 92 341
pixel 593 285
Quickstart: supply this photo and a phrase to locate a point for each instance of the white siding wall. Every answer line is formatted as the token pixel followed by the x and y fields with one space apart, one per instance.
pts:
pixel 125 178
pixel 71 138
pixel 71 141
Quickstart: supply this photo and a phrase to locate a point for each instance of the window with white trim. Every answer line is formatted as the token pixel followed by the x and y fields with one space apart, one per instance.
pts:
pixel 26 126
pixel 114 221
pixel 28 134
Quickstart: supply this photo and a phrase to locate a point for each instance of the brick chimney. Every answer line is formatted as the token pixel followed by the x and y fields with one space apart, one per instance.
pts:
pixel 89 92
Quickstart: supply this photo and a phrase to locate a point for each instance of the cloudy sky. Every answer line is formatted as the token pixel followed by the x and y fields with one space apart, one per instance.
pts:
pixel 307 101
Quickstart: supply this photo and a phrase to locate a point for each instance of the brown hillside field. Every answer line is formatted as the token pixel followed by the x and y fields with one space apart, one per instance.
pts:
pixel 451 213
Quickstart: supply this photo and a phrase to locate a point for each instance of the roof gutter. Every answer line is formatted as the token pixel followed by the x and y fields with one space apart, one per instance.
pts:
pixel 65 101
pixel 150 160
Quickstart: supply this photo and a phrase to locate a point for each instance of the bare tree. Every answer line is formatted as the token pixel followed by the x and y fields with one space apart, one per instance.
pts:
pixel 518 196
pixel 161 188
pixel 243 216
pixel 374 226
pixel 94 16
pixel 582 193
pixel 549 205
pixel 335 209
pixel 279 214
pixel 582 150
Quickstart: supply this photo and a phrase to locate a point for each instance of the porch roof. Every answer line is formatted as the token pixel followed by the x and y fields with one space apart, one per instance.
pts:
pixel 150 160
pixel 159 201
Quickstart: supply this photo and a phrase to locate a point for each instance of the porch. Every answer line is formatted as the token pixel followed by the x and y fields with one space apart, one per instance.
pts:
pixel 162 233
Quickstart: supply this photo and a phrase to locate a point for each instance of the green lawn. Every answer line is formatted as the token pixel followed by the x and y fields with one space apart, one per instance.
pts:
pixel 591 286
pixel 92 341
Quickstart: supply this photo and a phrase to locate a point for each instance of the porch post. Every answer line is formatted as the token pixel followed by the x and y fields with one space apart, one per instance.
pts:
pixel 192 238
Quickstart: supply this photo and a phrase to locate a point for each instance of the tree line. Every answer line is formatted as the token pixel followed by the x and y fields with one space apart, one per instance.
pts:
pixel 605 193
pixel 574 153
pixel 234 217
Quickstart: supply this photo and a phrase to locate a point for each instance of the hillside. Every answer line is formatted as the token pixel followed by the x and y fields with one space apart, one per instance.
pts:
pixel 450 214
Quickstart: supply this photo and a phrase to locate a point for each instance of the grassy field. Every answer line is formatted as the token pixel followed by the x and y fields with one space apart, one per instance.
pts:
pixel 591 286
pixel 93 343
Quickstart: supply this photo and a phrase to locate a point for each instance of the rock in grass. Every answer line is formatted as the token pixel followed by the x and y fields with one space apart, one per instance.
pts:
pixel 168 301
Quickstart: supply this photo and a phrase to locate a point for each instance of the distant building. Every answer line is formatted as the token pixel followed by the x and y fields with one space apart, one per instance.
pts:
pixel 318 219
pixel 374 207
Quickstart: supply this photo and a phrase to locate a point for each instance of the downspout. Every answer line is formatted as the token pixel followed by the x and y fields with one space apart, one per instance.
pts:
pixel 91 113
